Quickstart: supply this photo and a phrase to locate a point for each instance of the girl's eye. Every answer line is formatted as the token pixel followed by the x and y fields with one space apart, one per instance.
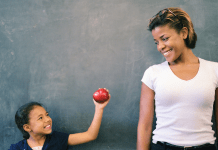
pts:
pixel 47 114
pixel 40 118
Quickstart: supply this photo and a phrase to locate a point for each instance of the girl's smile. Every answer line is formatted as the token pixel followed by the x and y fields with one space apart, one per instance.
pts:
pixel 40 122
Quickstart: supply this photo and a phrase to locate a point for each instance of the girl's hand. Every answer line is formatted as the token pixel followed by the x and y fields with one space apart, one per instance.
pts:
pixel 102 105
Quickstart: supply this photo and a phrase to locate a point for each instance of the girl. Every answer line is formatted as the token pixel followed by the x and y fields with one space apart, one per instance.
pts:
pixel 36 126
pixel 181 90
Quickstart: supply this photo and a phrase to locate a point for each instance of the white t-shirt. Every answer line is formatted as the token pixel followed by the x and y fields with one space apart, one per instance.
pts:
pixel 183 108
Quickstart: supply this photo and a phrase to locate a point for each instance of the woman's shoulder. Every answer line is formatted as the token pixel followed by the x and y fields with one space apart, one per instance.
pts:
pixel 209 66
pixel 208 62
pixel 158 67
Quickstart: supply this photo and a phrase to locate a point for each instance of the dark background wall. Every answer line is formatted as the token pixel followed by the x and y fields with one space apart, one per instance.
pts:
pixel 60 52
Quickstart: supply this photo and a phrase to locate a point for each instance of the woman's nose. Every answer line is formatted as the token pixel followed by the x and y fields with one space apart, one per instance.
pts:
pixel 160 46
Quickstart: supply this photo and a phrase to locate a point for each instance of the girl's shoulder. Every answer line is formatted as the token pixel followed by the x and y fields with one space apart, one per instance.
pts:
pixel 56 140
pixel 58 134
pixel 19 146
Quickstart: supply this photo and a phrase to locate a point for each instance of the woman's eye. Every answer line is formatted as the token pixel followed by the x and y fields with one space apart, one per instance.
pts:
pixel 47 114
pixel 40 118
pixel 165 39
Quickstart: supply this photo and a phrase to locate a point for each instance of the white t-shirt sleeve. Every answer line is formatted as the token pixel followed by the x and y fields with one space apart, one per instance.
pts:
pixel 147 78
pixel 216 70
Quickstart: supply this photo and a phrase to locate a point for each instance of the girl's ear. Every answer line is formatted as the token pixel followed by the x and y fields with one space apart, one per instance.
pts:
pixel 184 33
pixel 27 128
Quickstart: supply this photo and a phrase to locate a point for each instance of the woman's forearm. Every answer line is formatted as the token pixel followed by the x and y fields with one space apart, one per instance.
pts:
pixel 143 137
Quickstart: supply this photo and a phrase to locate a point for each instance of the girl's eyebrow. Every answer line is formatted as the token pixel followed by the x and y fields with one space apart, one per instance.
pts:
pixel 39 115
pixel 42 114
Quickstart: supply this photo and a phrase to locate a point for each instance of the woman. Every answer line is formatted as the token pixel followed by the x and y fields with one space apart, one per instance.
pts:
pixel 181 90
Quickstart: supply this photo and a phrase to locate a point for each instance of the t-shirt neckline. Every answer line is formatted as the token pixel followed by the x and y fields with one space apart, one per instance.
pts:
pixel 200 63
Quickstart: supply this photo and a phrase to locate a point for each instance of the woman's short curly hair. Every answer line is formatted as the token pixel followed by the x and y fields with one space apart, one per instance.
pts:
pixel 176 18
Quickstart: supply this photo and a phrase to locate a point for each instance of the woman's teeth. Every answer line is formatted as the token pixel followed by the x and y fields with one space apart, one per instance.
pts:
pixel 167 53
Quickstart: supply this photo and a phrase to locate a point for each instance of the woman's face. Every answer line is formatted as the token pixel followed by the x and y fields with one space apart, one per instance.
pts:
pixel 169 42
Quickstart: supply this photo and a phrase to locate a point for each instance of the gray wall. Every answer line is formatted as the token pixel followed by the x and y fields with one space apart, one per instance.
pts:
pixel 60 52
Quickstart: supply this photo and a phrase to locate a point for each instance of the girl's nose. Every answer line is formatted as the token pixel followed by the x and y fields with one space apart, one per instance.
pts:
pixel 48 118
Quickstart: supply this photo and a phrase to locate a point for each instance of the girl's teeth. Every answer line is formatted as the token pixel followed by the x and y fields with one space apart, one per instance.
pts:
pixel 48 126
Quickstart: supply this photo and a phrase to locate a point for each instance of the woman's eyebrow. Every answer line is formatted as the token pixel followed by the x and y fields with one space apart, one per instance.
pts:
pixel 160 37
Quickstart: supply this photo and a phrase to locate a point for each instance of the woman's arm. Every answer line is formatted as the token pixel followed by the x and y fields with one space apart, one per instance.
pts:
pixel 216 109
pixel 92 133
pixel 146 116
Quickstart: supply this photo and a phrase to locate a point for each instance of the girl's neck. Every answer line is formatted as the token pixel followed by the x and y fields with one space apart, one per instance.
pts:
pixel 36 141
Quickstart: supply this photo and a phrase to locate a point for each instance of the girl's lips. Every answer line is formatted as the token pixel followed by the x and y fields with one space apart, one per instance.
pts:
pixel 48 127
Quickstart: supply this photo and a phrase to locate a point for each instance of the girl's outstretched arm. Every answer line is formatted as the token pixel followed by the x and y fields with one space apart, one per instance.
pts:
pixel 92 133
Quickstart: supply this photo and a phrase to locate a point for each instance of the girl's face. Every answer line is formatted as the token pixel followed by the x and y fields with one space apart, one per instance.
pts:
pixel 39 121
pixel 169 42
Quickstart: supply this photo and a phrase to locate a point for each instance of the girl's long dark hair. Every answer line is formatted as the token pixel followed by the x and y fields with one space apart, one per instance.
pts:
pixel 22 117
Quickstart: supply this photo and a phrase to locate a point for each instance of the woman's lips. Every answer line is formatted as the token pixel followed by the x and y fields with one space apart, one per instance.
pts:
pixel 166 53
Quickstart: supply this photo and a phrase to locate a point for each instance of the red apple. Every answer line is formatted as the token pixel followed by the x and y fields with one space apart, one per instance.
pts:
pixel 101 95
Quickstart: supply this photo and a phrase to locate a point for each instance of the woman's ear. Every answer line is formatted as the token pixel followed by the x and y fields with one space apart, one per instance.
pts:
pixel 27 128
pixel 184 33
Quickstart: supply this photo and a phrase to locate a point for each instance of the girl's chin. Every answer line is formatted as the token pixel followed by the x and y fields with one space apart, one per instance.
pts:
pixel 49 131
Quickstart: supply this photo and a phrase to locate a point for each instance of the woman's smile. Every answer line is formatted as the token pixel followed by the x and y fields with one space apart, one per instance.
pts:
pixel 169 42
pixel 167 53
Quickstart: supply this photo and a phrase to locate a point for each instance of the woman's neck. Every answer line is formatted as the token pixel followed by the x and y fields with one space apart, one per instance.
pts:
pixel 186 58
